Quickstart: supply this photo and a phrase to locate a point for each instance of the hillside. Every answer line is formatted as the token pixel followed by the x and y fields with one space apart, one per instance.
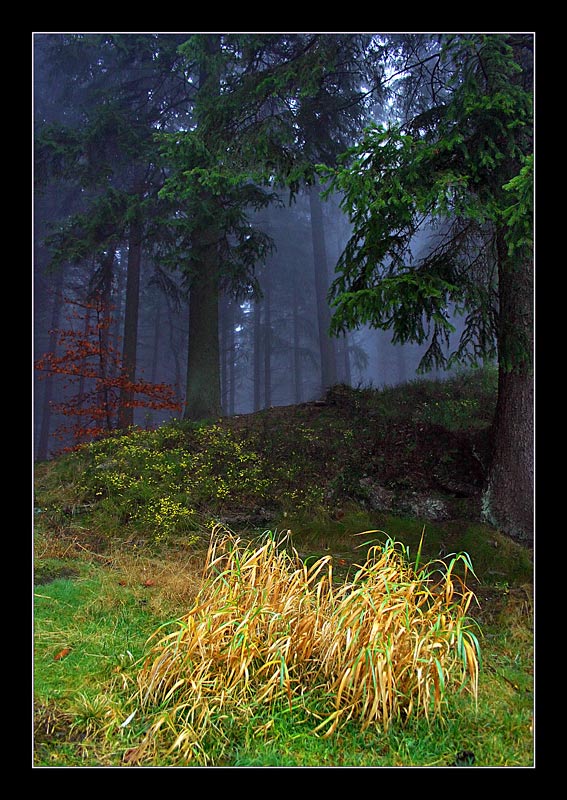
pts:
pixel 419 449
pixel 401 460
pixel 122 527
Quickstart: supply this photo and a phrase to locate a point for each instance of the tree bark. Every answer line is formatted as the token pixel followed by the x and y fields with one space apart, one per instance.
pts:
pixel 267 339
pixel 174 349
pixel 203 399
pixel 257 354
pixel 227 355
pixel 326 344
pixel 131 313
pixel 45 429
pixel 297 371
pixel 508 500
pixel 232 364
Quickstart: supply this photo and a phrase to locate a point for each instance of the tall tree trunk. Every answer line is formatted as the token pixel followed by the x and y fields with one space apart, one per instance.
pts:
pixel 45 429
pixel 326 343
pixel 400 360
pixel 227 355
pixel 174 349
pixel 257 354
pixel 203 399
pixel 267 340
pixel 82 379
pixel 131 313
pixel 297 371
pixel 103 303
pixel 156 342
pixel 118 322
pixel 232 363
pixel 508 501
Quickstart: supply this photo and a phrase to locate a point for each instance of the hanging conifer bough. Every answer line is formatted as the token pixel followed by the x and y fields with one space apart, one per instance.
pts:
pixel 463 169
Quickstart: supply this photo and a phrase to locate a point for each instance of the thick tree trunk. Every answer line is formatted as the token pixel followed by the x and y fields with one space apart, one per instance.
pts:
pixel 203 398
pixel 508 501
pixel 326 344
pixel 508 497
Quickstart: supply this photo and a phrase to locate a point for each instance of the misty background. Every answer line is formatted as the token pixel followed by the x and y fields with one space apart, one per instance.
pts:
pixel 275 347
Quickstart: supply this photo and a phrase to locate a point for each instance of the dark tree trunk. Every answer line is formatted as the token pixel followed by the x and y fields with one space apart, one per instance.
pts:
pixel 174 349
pixel 82 379
pixel 326 343
pixel 156 343
pixel 131 313
pixel 267 340
pixel 232 364
pixel 227 356
pixel 45 429
pixel 508 501
pixel 297 371
pixel 102 308
pixel 257 354
pixel 203 399
pixel 118 322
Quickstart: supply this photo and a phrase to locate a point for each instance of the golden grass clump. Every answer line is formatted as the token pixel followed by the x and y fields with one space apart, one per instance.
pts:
pixel 267 628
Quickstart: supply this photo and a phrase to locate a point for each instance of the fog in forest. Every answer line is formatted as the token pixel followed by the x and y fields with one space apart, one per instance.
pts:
pixel 272 346
pixel 275 347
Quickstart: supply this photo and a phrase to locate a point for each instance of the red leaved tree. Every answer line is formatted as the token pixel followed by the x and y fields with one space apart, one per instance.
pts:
pixel 94 381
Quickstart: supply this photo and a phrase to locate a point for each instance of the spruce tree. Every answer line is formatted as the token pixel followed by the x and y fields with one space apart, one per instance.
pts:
pixel 267 107
pixel 463 169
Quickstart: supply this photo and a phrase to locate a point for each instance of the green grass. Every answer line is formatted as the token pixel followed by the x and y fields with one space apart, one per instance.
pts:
pixel 120 528
pixel 75 614
pixel 81 698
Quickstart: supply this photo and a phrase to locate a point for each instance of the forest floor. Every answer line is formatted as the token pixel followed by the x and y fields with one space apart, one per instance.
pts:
pixel 405 463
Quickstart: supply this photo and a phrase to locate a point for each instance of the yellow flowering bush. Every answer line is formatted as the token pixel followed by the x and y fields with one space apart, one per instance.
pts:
pixel 158 481
pixel 166 516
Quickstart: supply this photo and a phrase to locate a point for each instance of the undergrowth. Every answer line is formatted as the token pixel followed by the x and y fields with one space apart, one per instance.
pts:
pixel 145 655
pixel 267 630
pixel 182 478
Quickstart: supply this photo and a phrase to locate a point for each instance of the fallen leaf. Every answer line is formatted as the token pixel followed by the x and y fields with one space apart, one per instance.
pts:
pixel 149 582
pixel 62 653
pixel 133 754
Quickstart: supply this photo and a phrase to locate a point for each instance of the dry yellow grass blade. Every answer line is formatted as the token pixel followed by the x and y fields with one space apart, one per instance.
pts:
pixel 266 628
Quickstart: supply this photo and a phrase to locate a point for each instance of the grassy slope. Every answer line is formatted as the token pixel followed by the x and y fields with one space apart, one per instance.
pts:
pixel 121 526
